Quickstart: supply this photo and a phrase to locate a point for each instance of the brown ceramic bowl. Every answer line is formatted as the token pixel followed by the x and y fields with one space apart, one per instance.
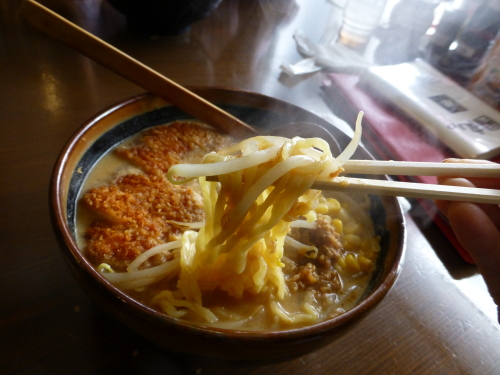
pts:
pixel 113 125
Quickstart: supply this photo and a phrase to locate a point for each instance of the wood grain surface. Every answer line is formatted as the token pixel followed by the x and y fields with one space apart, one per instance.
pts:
pixel 437 319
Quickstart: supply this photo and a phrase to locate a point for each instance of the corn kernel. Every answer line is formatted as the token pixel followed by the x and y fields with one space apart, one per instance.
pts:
pixel 366 245
pixel 322 199
pixel 333 205
pixel 351 228
pixel 337 224
pixel 366 249
pixel 322 209
pixel 352 263
pixel 351 241
pixel 341 263
pixel 364 263
pixel 343 215
pixel 311 216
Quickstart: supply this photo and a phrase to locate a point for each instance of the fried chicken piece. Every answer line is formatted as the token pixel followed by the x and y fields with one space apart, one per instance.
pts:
pixel 135 209
pixel 163 199
pixel 118 245
pixel 134 213
pixel 163 146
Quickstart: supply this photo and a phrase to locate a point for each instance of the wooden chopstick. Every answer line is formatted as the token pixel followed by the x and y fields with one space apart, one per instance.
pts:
pixel 409 189
pixel 105 54
pixel 410 168
pixel 404 189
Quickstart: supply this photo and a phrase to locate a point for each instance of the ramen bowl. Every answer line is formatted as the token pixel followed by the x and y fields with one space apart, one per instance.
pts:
pixel 98 135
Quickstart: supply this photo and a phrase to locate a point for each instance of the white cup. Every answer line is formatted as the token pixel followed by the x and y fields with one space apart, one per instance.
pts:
pixel 360 19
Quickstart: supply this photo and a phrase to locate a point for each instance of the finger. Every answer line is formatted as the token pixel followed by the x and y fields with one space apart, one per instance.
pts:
pixel 492 210
pixel 485 183
pixel 469 161
pixel 480 237
pixel 442 204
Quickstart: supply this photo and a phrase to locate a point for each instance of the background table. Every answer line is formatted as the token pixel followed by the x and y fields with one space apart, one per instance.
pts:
pixel 438 319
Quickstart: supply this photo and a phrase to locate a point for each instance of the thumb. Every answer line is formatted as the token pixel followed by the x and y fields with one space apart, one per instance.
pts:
pixel 481 238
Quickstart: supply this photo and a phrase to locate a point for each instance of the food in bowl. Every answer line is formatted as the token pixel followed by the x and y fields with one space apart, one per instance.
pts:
pixel 114 125
pixel 259 252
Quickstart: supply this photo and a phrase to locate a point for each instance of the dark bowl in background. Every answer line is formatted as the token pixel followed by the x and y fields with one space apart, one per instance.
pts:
pixel 127 118
pixel 164 17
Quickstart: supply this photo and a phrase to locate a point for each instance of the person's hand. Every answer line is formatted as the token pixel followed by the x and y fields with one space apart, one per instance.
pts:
pixel 477 227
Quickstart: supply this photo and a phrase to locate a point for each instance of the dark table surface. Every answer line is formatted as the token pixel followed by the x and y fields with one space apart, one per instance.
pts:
pixel 438 319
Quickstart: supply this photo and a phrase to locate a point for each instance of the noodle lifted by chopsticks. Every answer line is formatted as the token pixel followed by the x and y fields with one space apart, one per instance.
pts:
pixel 264 186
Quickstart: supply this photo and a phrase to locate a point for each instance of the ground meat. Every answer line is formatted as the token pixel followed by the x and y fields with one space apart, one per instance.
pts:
pixel 163 146
pixel 326 239
pixel 133 211
pixel 317 274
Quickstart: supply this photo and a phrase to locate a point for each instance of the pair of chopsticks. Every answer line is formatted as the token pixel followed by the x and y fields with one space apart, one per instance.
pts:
pixel 410 189
pixel 91 46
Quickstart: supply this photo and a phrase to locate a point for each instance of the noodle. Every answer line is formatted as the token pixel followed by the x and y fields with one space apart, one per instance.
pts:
pixel 242 252
pixel 261 204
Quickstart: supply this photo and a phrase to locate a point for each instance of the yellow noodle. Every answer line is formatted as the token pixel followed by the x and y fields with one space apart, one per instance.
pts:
pixel 263 186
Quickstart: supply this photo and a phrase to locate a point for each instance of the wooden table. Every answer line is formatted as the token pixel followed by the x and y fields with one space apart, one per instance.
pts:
pixel 438 319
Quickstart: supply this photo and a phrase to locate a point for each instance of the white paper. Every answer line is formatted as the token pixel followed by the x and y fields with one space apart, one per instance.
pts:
pixel 335 57
pixel 453 115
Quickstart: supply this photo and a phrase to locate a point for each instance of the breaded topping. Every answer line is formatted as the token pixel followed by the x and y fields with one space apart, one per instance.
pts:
pixel 118 245
pixel 318 272
pixel 162 199
pixel 163 146
pixel 134 213
pixel 133 210
pixel 117 207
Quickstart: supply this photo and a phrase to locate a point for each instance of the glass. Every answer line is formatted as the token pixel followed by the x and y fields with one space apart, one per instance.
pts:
pixel 360 19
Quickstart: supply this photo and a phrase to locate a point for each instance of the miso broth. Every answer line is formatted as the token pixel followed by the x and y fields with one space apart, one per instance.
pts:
pixel 131 178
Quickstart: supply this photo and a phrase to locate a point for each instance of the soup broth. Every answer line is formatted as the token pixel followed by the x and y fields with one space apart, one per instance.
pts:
pixel 128 207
